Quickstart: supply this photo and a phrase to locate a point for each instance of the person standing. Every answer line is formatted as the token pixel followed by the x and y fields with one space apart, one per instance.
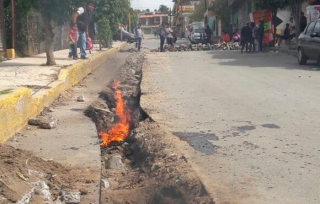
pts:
pixel 303 22
pixel 73 41
pixel 246 34
pixel 260 35
pixel 255 37
pixel 139 36
pixel 169 35
pixel 162 35
pixel 252 38
pixel 83 18
pixel 209 34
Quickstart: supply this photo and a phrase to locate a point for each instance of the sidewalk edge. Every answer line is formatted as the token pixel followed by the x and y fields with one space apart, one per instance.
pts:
pixel 17 107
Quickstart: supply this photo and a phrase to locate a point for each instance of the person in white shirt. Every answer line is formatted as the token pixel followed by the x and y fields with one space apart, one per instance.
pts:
pixel 139 36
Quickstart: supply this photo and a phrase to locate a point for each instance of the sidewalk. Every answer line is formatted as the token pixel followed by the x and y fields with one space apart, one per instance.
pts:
pixel 27 86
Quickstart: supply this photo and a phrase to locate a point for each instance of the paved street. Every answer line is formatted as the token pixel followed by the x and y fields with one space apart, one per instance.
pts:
pixel 247 122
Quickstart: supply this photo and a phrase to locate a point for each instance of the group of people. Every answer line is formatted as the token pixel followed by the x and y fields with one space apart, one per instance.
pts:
pixel 166 33
pixel 250 37
pixel 81 30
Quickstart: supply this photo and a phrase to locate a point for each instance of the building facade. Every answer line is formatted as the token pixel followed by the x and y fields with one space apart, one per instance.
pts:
pixel 182 11
pixel 150 21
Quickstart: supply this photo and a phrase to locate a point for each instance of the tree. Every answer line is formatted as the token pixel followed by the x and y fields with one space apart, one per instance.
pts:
pixel 223 12
pixel 274 6
pixel 198 12
pixel 295 6
pixel 52 11
pixel 109 14
pixel 164 9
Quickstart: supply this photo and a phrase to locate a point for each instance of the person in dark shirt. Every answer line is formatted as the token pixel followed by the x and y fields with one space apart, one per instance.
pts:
pixel 303 22
pixel 83 18
pixel 260 36
pixel 209 34
pixel 246 34
pixel 286 34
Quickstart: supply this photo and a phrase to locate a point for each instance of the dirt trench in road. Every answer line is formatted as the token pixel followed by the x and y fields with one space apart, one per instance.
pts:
pixel 151 169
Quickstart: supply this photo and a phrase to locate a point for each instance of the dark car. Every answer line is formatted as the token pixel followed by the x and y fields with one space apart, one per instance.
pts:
pixel 309 43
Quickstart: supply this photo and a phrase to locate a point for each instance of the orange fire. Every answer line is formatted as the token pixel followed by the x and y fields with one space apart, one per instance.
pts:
pixel 121 129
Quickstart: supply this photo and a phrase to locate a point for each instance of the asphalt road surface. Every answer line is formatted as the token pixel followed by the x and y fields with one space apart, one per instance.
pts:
pixel 248 123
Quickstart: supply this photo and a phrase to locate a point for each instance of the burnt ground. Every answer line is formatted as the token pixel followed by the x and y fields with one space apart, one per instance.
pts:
pixel 150 169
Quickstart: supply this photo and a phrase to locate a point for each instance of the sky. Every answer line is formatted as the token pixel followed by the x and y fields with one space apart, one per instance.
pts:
pixel 150 4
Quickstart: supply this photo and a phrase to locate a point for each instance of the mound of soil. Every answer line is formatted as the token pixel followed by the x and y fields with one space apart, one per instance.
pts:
pixel 25 178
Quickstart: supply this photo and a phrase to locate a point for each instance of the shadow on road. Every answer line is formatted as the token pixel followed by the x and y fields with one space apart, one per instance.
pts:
pixel 261 60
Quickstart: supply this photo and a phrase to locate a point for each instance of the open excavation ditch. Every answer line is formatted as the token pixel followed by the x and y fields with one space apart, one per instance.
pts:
pixel 139 163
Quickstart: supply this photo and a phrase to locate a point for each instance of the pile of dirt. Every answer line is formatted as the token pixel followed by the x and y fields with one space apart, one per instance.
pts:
pixel 25 178
pixel 146 167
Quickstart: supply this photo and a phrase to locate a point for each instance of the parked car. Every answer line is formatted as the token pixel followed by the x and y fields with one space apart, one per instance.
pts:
pixel 126 36
pixel 198 35
pixel 309 43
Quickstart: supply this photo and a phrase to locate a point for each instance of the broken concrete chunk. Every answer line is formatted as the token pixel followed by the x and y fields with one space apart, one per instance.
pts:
pixel 115 162
pixel 105 183
pixel 72 197
pixel 80 98
pixel 34 121
pixel 48 123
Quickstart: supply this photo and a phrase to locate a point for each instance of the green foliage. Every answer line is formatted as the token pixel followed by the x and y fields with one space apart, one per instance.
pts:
pixel 198 12
pixel 273 5
pixel 164 9
pixel 222 10
pixel 109 15
pixel 104 31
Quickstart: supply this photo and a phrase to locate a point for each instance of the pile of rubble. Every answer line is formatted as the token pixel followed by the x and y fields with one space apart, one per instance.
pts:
pixel 199 47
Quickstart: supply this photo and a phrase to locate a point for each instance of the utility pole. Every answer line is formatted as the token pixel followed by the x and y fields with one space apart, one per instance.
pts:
pixel 13 24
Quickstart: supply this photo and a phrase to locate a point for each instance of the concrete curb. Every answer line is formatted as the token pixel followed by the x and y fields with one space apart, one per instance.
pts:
pixel 20 105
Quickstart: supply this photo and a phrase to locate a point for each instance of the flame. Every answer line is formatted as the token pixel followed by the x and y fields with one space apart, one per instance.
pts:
pixel 121 129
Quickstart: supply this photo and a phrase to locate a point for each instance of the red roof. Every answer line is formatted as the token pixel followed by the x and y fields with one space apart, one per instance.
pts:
pixel 153 15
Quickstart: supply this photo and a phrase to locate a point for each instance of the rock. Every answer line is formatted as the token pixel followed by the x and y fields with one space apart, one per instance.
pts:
pixel 156 166
pixel 72 197
pixel 80 98
pixel 83 191
pixel 132 71
pixel 48 123
pixel 34 121
pixel 105 183
pixel 115 162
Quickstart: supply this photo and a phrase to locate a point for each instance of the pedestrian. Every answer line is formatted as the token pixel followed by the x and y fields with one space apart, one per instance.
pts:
pixel 255 37
pixel 235 28
pixel 209 33
pixel 303 22
pixel 260 35
pixel 162 35
pixel 73 41
pixel 83 18
pixel 236 37
pixel 246 34
pixel 285 36
pixel 252 38
pixel 139 36
pixel 169 35
pixel 225 37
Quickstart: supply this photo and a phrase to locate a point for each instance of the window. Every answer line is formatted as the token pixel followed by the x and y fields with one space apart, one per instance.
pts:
pixel 317 27
pixel 310 28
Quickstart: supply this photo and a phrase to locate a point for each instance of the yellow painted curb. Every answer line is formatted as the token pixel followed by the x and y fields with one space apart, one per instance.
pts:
pixel 17 107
